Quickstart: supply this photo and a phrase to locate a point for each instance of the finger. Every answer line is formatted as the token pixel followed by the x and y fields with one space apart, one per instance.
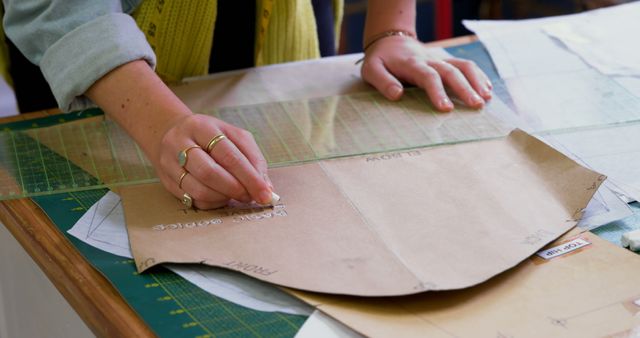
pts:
pixel 246 143
pixel 455 80
pixel 202 195
pixel 171 185
pixel 204 169
pixel 429 80
pixel 375 73
pixel 227 155
pixel 478 79
pixel 233 160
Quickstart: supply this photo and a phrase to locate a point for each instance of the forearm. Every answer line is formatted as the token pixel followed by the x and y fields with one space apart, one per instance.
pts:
pixel 137 99
pixel 385 15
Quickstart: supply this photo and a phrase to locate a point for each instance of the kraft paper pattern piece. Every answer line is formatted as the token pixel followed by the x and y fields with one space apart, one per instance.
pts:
pixel 592 292
pixel 439 218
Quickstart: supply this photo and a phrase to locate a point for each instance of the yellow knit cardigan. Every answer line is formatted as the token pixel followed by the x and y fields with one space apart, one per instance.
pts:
pixel 181 33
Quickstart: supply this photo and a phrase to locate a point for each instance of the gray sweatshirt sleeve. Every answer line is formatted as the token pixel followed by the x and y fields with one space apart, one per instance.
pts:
pixel 75 42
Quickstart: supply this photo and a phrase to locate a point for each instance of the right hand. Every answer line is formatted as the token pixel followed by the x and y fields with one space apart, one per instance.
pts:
pixel 234 169
pixel 162 125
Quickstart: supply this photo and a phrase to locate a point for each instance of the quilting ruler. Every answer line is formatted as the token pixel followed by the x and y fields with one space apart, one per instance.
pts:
pixel 100 154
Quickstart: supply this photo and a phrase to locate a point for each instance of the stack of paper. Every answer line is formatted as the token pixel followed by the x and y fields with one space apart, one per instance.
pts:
pixel 577 72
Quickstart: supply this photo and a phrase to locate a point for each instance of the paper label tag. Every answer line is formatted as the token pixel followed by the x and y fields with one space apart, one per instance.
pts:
pixel 563 248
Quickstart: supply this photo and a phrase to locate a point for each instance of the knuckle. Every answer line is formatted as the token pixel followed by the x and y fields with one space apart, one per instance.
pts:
pixel 239 134
pixel 207 174
pixel 229 158
pixel 204 172
pixel 197 170
pixel 437 63
pixel 195 122
pixel 197 119
pixel 188 122
pixel 467 65
pixel 449 71
pixel 430 74
pixel 261 163
pixel 245 134
pixel 414 61
pixel 199 193
pixel 237 191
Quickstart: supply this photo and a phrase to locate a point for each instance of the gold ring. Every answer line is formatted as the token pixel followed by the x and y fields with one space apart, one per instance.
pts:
pixel 187 200
pixel 183 155
pixel 215 141
pixel 184 174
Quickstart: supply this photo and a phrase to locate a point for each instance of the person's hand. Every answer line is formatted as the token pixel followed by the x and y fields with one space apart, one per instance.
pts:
pixel 393 59
pixel 166 130
pixel 233 169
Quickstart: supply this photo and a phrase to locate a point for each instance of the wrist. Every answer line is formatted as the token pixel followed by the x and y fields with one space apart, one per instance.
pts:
pixel 371 40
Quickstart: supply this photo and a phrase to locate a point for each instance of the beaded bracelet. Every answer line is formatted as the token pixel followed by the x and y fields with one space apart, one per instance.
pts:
pixel 386 34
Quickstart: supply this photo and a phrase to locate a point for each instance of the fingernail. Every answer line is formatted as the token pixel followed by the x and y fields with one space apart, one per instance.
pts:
pixel 275 198
pixel 489 85
pixel 394 91
pixel 486 93
pixel 446 104
pixel 476 99
pixel 264 198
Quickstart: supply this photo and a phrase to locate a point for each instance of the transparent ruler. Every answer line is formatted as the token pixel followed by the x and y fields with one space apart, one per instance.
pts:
pixel 94 153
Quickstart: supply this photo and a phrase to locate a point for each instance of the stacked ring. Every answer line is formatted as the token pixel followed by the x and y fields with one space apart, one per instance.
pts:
pixel 184 174
pixel 187 200
pixel 183 155
pixel 215 140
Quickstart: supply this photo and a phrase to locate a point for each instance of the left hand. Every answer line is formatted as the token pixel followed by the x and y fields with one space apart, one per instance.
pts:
pixel 400 58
